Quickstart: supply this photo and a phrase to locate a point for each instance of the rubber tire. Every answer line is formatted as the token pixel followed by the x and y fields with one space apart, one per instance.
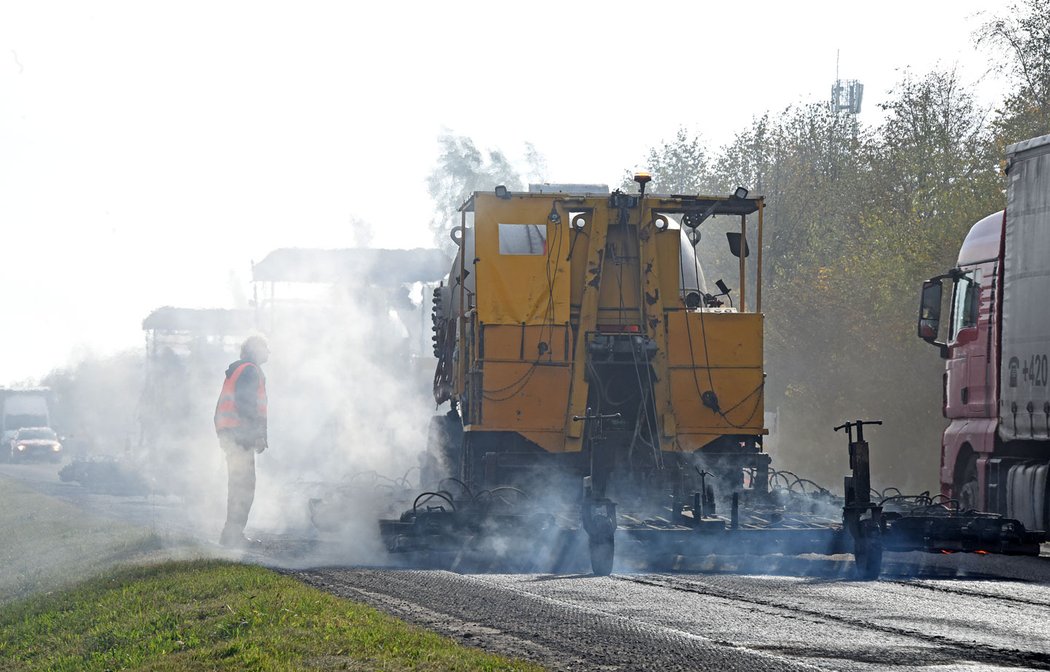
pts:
pixel 603 552
pixel 965 487
pixel 867 552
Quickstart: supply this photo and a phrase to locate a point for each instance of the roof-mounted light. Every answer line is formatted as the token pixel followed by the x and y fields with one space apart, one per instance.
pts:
pixel 642 178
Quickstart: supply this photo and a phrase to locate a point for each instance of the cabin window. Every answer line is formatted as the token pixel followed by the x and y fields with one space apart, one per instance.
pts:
pixel 523 239
pixel 966 300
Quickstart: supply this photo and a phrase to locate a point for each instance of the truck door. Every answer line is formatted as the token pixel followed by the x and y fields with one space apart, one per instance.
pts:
pixel 967 367
pixel 982 372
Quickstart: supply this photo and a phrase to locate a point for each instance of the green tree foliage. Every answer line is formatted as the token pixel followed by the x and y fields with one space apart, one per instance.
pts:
pixel 928 175
pixel 462 169
pixel 1019 43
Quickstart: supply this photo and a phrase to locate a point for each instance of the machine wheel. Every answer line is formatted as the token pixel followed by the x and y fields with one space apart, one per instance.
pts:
pixel 603 551
pixel 965 486
pixel 867 551
pixel 601 542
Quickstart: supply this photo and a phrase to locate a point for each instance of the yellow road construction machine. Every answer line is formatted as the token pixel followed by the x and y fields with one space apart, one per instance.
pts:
pixel 569 306
pixel 597 382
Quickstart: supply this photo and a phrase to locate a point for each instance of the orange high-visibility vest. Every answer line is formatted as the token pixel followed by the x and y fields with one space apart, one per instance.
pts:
pixel 226 415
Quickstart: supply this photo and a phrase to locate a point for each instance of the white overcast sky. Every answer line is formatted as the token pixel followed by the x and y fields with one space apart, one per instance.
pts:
pixel 150 151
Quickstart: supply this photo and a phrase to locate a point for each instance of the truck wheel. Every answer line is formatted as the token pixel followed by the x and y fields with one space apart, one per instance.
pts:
pixel 867 551
pixel 965 487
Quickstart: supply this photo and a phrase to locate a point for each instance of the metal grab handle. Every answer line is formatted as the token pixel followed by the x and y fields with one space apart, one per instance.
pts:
pixel 578 418
pixel 859 424
pixel 848 425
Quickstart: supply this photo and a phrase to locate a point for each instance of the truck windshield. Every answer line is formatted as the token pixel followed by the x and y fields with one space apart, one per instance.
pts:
pixel 36 435
pixel 965 301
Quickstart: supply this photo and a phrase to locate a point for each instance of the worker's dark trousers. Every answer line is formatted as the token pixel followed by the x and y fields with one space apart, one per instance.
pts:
pixel 240 465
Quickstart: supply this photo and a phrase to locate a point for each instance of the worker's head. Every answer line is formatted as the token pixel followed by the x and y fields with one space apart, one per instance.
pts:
pixel 255 349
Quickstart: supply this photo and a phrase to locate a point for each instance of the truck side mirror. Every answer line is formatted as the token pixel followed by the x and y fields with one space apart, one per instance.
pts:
pixel 734 239
pixel 930 314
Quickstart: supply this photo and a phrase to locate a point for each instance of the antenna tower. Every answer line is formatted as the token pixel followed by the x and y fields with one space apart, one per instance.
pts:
pixel 846 94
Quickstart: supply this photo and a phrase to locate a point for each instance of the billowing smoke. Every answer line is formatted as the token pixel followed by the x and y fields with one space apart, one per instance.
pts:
pixel 349 393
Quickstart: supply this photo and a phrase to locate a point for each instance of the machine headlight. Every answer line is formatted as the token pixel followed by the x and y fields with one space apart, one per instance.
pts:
pixel 57 447
pixel 21 447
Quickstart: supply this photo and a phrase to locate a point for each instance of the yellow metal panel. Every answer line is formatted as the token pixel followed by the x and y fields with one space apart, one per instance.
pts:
pixel 668 246
pixel 739 394
pixel 524 397
pixel 512 289
pixel 733 341
pixel 654 324
pixel 588 320
pixel 527 343
pixel 670 424
pixel 618 301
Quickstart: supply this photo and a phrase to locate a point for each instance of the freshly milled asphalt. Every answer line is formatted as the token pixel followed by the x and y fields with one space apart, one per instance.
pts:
pixel 511 616
pixel 723 622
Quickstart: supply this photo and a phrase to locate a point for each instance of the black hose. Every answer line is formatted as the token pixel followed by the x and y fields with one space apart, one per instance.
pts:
pixel 461 484
pixel 431 495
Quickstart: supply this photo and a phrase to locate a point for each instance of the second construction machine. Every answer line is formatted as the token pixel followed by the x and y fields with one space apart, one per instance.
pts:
pixel 597 381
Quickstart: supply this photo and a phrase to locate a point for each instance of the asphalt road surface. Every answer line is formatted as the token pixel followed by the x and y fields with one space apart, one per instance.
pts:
pixel 724 622
pixel 958 612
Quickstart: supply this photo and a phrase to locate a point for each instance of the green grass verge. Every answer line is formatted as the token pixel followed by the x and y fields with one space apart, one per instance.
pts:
pixel 212 615
pixel 82 592
pixel 46 543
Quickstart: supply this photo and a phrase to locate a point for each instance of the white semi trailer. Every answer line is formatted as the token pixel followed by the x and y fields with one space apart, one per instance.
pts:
pixel 28 407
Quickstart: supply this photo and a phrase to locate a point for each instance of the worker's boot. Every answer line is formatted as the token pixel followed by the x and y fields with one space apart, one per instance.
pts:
pixel 234 538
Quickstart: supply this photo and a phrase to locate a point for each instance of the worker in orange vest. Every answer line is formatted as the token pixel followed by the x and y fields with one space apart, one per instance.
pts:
pixel 240 422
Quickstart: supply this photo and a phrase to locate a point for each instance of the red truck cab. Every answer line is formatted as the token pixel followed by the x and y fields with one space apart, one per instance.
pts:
pixel 995 454
pixel 971 349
